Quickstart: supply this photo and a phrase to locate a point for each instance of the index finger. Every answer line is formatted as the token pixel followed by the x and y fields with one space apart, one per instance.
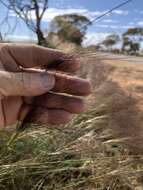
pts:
pixel 29 56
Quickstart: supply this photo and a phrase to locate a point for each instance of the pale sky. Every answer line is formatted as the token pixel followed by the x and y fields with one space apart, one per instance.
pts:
pixel 131 15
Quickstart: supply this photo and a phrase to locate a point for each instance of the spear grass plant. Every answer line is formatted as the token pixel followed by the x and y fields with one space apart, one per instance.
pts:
pixel 82 155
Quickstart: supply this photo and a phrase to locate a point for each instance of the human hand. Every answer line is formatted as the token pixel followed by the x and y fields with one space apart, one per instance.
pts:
pixel 24 91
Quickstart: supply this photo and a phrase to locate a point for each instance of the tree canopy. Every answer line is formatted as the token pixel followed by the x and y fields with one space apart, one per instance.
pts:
pixel 111 40
pixel 134 31
pixel 131 40
pixel 71 27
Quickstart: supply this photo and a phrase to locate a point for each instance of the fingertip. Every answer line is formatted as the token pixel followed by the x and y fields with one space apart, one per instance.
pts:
pixel 85 88
pixel 65 62
pixel 76 105
pixel 71 85
pixel 50 116
pixel 71 63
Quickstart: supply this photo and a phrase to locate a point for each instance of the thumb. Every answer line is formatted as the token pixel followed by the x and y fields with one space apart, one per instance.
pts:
pixel 25 83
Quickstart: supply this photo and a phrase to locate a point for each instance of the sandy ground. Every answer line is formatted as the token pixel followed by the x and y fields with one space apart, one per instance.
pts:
pixel 117 83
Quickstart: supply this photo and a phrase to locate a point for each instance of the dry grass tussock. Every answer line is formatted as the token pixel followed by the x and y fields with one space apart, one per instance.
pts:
pixel 98 150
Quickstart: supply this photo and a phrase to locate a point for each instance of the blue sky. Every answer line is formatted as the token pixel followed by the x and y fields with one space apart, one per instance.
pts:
pixel 131 15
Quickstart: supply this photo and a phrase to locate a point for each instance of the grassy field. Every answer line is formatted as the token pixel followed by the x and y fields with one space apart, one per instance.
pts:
pixel 83 155
pixel 98 150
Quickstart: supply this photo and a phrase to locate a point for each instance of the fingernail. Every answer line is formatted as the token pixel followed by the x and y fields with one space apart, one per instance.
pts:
pixel 48 81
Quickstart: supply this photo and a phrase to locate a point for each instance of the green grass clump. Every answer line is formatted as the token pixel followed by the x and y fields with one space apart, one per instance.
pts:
pixel 82 155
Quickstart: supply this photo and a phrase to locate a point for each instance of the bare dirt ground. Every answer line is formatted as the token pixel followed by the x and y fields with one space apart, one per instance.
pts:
pixel 117 83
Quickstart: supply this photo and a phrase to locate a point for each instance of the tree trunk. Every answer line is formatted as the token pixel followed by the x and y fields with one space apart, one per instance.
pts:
pixel 40 37
pixel 1 38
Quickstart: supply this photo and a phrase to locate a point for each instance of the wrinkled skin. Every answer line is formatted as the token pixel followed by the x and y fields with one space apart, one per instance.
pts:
pixel 31 84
